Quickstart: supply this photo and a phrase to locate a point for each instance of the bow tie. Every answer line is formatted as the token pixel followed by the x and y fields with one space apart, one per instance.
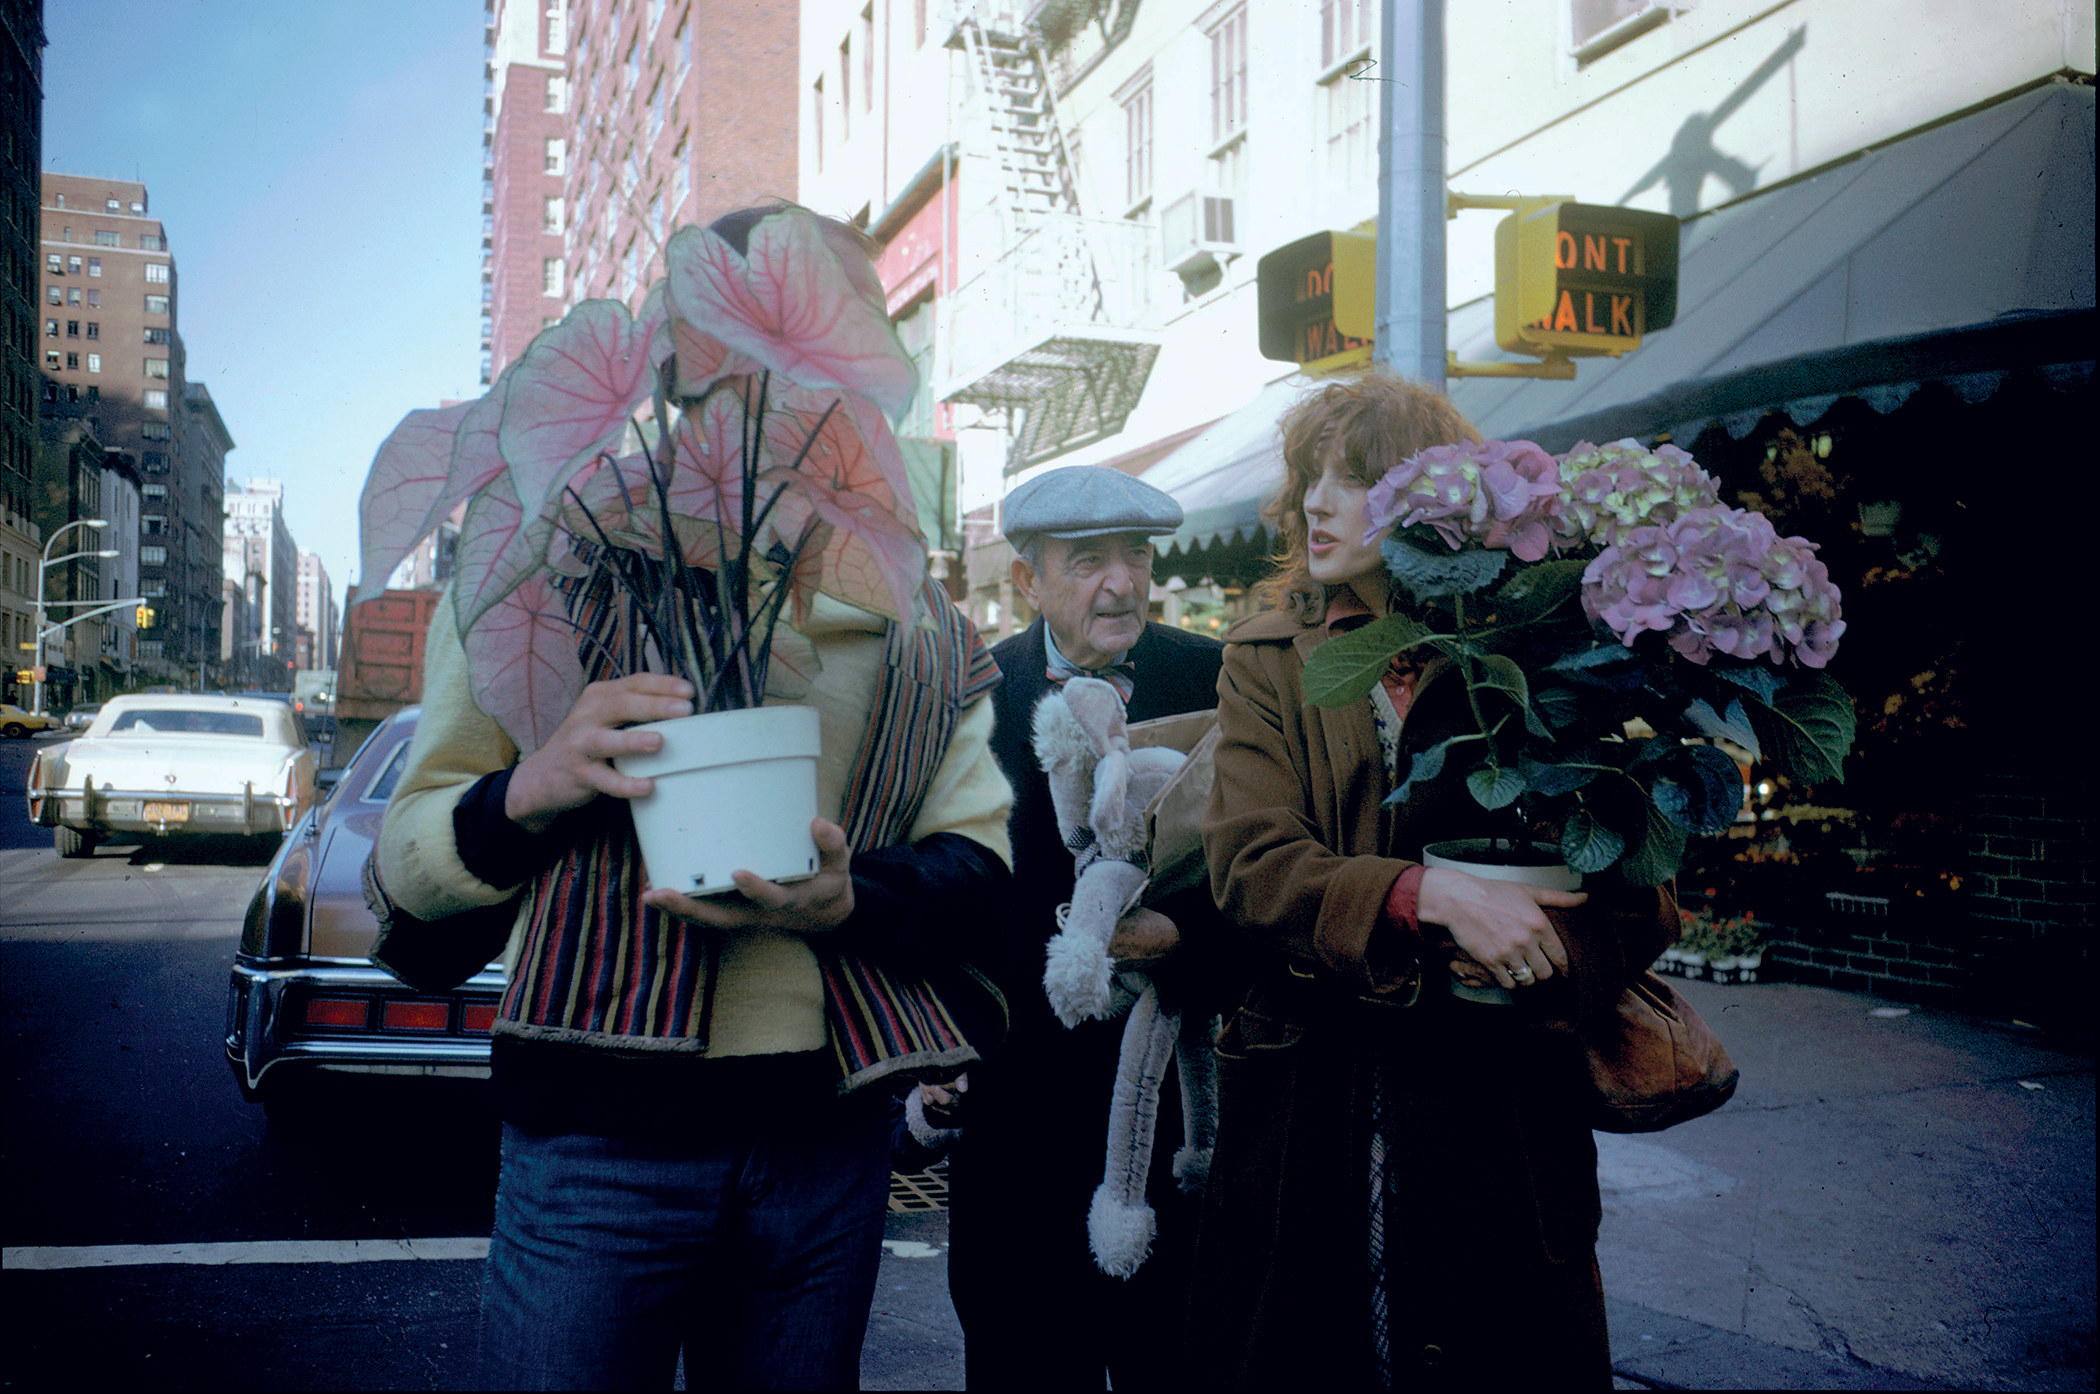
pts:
pixel 1121 676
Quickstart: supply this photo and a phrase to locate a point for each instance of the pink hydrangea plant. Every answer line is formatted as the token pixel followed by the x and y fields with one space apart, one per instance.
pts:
pixel 1497 493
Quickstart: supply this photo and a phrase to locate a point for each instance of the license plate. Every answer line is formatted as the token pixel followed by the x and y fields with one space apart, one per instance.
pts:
pixel 167 813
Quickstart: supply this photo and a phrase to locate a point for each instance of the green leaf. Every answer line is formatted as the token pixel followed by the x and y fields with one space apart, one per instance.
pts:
pixel 1537 589
pixel 1495 786
pixel 1343 669
pixel 1755 676
pixel 1808 730
pixel 1587 844
pixel 1427 765
pixel 1716 784
pixel 1430 574
pixel 1503 674
pixel 1549 780
pixel 1734 726
pixel 1660 854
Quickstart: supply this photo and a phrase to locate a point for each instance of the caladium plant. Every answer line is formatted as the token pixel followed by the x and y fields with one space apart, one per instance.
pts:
pixel 717 460
pixel 1586 596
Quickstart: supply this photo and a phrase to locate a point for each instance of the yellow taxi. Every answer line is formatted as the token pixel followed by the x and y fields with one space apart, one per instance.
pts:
pixel 16 724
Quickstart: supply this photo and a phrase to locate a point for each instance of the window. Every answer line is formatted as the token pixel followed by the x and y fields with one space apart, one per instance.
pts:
pixel 51 329
pixel 152 242
pixel 149 648
pixel 557 33
pixel 153 430
pixel 156 398
pixel 154 524
pixel 54 295
pixel 94 362
pixel 556 161
pixel 550 215
pixel 51 360
pixel 557 94
pixel 94 329
pixel 656 108
pixel 681 182
pixel 153 336
pixel 153 493
pixel 918 18
pixel 138 209
pixel 1228 77
pixel 1345 30
pixel 153 556
pixel 156 304
pixel 112 206
pixel 72 266
pixel 156 367
pixel 1591 19
pixel 867 59
pixel 550 276
pixel 94 393
pixel 107 239
pixel 157 272
pixel 153 587
pixel 633 63
pixel 94 266
pixel 1352 146
pixel 846 89
pixel 72 329
pixel 816 124
pixel 1137 144
pixel 94 298
pixel 55 264
pixel 153 461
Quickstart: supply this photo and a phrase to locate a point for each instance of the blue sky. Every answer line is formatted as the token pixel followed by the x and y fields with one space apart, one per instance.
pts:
pixel 318 170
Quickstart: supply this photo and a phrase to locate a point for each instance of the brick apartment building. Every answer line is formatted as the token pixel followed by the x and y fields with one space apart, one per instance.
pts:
pixel 112 354
pixel 524 136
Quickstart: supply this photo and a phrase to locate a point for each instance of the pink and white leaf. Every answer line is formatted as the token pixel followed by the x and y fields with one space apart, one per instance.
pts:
pixel 790 302
pixel 407 493
pixel 522 663
pixel 866 555
pixel 855 448
pixel 704 360
pixel 571 396
pixel 499 546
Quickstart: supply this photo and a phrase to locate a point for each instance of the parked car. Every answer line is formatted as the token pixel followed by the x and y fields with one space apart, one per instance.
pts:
pixel 80 718
pixel 304 997
pixel 19 725
pixel 170 763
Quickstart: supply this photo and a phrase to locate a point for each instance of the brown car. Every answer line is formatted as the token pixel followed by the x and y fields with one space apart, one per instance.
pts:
pixel 305 997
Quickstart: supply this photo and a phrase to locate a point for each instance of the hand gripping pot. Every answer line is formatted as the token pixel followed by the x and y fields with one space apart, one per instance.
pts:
pixel 735 790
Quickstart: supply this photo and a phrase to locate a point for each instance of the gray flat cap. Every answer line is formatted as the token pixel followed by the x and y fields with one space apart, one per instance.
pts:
pixel 1089 501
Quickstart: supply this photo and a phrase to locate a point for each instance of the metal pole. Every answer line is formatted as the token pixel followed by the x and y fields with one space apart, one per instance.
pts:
pixel 1408 322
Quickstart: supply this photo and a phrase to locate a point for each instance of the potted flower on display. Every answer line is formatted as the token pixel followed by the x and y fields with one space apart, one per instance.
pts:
pixel 708 467
pixel 1612 622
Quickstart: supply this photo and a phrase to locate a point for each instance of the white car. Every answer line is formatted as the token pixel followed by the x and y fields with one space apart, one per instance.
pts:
pixel 170 763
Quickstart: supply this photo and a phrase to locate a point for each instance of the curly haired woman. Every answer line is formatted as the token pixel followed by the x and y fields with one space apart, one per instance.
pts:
pixel 1404 1193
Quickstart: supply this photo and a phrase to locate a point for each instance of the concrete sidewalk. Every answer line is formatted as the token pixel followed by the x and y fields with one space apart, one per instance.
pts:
pixel 1889 1202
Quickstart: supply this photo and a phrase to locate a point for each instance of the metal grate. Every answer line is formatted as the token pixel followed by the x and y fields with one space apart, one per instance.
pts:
pixel 921 1190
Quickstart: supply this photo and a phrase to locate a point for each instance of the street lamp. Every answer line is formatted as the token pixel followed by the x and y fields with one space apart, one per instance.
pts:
pixel 37 700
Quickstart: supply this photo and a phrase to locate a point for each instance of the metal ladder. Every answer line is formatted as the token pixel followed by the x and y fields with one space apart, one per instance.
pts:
pixel 1035 163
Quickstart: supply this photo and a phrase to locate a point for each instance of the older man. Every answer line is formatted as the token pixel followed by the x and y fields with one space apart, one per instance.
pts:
pixel 1035 1311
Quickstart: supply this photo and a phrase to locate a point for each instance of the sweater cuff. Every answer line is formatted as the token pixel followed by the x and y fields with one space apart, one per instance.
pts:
pixel 1397 938
pixel 493 849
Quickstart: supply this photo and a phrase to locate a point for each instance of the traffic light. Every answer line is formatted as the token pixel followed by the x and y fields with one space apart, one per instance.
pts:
pixel 1314 298
pixel 1575 280
pixel 145 617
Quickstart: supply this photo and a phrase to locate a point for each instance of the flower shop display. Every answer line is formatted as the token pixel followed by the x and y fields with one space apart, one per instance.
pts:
pixel 1614 623
pixel 704 469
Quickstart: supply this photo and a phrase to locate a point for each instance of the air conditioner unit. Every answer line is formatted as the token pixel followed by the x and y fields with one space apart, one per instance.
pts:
pixel 1195 230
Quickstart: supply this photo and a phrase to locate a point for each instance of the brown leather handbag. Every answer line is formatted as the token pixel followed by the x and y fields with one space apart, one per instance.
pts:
pixel 1655 1062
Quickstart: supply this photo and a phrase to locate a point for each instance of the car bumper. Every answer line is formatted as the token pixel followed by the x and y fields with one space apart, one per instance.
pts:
pixel 271 1011
pixel 134 811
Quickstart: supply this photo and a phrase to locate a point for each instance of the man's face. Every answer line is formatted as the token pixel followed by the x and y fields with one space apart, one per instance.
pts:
pixel 1092 592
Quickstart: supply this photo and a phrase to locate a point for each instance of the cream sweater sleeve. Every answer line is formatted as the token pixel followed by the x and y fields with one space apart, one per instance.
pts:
pixel 970 795
pixel 455 744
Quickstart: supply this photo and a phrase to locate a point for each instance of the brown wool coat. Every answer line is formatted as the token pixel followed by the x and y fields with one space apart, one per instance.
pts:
pixel 1492 1244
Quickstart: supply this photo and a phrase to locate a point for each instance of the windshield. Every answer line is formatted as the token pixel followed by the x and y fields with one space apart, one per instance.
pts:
pixel 174 720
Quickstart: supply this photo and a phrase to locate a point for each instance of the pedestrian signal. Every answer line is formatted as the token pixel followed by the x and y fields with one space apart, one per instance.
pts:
pixel 1575 280
pixel 145 617
pixel 1314 298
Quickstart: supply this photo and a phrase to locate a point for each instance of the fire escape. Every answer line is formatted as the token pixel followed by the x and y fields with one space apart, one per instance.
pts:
pixel 1053 334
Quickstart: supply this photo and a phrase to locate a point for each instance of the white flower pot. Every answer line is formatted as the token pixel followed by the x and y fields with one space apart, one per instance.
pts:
pixel 1694 966
pixel 1747 966
pixel 1470 855
pixel 735 791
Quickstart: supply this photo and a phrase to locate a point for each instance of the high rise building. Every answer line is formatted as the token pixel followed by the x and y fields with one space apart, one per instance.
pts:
pixel 316 611
pixel 260 554
pixel 606 126
pixel 112 356
pixel 21 156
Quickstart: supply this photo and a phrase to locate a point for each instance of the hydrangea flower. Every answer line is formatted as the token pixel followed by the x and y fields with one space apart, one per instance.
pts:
pixel 1607 489
pixel 1717 580
pixel 1497 493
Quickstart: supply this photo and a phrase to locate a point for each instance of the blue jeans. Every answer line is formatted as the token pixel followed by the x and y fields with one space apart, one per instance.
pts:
pixel 757 1255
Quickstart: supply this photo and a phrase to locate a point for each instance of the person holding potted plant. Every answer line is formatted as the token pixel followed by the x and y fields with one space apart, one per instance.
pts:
pixel 694 1076
pixel 1404 1185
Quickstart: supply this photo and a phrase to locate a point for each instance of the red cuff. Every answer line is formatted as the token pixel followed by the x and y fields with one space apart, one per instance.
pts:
pixel 1400 903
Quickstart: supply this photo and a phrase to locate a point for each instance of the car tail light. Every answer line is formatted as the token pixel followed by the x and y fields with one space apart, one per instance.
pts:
pixel 480 1019
pixel 336 1011
pixel 415 1016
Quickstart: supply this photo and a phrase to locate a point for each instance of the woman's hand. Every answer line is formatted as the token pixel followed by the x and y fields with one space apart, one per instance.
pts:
pixel 1499 923
pixel 576 765
pixel 822 902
